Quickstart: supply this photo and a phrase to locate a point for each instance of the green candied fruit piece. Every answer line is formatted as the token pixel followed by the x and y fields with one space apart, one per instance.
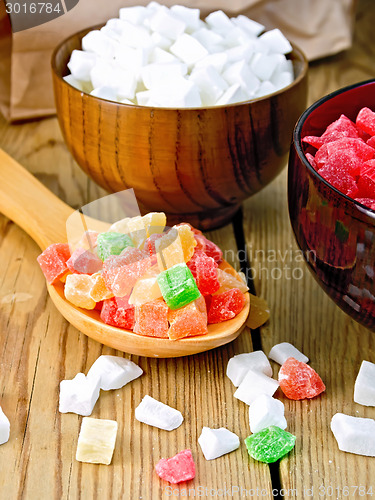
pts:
pixel 112 243
pixel 178 286
pixel 270 444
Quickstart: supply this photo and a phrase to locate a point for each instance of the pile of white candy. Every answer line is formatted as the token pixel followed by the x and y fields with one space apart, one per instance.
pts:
pixel 160 57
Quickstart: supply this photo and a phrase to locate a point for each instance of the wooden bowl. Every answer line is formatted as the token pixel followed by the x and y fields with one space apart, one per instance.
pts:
pixel 196 165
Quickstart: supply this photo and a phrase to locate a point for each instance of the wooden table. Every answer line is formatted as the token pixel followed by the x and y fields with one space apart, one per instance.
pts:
pixel 39 348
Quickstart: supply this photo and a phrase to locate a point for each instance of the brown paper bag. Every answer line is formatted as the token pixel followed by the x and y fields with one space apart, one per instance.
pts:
pixel 319 28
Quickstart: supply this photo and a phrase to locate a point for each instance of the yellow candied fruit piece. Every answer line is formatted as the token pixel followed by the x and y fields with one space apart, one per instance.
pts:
pixel 146 289
pixel 96 440
pixel 154 222
pixel 77 290
pixel 228 281
pixel 188 241
pixel 169 250
pixel 98 289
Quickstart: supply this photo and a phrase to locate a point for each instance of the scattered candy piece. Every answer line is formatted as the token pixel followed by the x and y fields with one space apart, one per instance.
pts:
pixel 253 385
pixel 176 469
pixel 217 442
pixel 240 364
pixel 112 243
pixel 151 319
pixel 177 286
pixel 113 372
pixel 96 441
pixel 364 387
pixel 77 290
pixel 118 312
pixel 4 427
pixel 153 412
pixel 225 305
pixel 79 395
pixel 266 411
pixel 53 261
pixel 354 434
pixel 299 381
pixel 281 352
pixel 270 444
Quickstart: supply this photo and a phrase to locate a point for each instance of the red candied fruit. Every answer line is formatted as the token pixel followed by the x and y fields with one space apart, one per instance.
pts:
pixel 209 248
pixel 368 202
pixel 341 181
pixel 53 261
pixel 366 186
pixel 225 305
pixel 84 262
pixel 341 128
pixel 204 270
pixel 366 121
pixel 311 160
pixel 371 142
pixel 118 312
pixel 299 381
pixel 176 469
pixel 344 155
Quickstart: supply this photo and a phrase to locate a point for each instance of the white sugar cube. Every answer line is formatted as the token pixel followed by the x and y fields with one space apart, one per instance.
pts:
pixel 208 38
pixel 188 49
pixel 161 41
pixel 157 74
pixel 4 427
pixel 114 372
pixel 264 89
pixel 364 387
pixel 105 92
pixel 266 411
pixel 354 434
pixel 159 55
pixel 152 412
pixel 187 15
pixel 176 93
pixel 281 352
pixel 219 21
pixel 243 52
pixel 210 83
pixel 125 83
pixel 217 61
pixel 143 97
pixel 233 94
pixel 110 33
pixel 131 58
pixel 252 27
pixel 240 364
pixel 167 24
pixel 239 72
pixel 276 41
pixel 263 65
pixel 236 37
pixel 135 14
pixel 79 395
pixel 97 42
pixel 282 79
pixel 96 441
pixel 102 73
pixel 74 83
pixel 217 442
pixel 80 64
pixel 126 101
pixel 115 25
pixel 135 36
pixel 253 385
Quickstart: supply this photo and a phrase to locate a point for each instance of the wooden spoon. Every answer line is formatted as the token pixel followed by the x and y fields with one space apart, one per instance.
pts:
pixel 43 216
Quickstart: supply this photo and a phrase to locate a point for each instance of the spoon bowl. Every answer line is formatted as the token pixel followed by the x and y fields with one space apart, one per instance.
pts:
pixel 43 216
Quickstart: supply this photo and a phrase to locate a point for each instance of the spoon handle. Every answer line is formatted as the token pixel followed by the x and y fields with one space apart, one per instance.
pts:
pixel 29 204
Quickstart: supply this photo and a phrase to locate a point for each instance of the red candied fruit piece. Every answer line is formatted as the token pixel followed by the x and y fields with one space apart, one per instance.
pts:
pixel 53 261
pixel 366 121
pixel 226 305
pixel 344 155
pixel 366 186
pixel 84 262
pixel 311 160
pixel 339 129
pixel 204 270
pixel 299 381
pixel 209 248
pixel 118 312
pixel 176 469
pixel 368 202
pixel 314 141
pixel 341 181
pixel 371 142
pixel 368 168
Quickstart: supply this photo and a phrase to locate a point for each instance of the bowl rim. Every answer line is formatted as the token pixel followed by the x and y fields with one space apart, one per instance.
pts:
pixel 301 57
pixel 297 141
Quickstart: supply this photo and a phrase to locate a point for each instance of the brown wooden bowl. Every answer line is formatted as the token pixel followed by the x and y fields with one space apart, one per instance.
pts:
pixel 196 165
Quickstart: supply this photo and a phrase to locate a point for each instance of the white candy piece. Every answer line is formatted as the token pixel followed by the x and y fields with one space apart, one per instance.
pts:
pixel 208 38
pixel 79 395
pixel 191 17
pixel 263 65
pixel 188 49
pixel 211 84
pixel 4 427
pixel 253 385
pixel 240 364
pixel 154 75
pixel 276 41
pixel 252 27
pixel 167 24
pixel 239 72
pixel 364 387
pixel 113 372
pixel 176 93
pixel 105 92
pixel 354 434
pixel 99 43
pixel 135 36
pixel 265 88
pixel 80 64
pixel 281 352
pixel 219 21
pixel 232 95
pixel 96 441
pixel 217 61
pixel 134 15
pixel 217 442
pixel 150 411
pixel 266 411
pixel 74 83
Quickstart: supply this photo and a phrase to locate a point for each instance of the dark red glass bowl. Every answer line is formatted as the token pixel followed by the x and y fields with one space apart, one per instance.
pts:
pixel 335 233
